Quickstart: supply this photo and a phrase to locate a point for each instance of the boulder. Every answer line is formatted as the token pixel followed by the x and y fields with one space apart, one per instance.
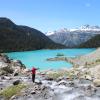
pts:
pixel 7 70
pixel 26 70
pixel 89 90
pixel 98 91
pixel 84 81
pixel 62 82
pixel 38 82
pixel 2 77
pixel 59 79
pixel 33 92
pixel 7 78
pixel 13 97
pixel 4 58
pixel 49 79
pixel 96 82
pixel 17 63
pixel 17 70
pixel 15 74
pixel 3 64
pixel 88 77
pixel 16 82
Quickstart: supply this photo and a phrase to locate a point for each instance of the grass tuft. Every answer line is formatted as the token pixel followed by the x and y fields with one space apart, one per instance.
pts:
pixel 12 90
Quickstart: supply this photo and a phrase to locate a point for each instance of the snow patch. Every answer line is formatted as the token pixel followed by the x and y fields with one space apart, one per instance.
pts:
pixel 50 33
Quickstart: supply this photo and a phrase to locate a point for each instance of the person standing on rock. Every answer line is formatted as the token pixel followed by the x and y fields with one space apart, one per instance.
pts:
pixel 34 73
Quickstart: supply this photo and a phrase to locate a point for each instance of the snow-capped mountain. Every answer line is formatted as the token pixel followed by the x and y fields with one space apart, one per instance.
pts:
pixel 74 37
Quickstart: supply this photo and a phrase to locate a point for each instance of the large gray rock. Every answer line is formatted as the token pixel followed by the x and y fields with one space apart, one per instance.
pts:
pixel 16 82
pixel 96 82
pixel 3 64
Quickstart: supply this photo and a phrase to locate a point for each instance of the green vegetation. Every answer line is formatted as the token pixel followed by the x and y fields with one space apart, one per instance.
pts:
pixel 12 90
pixel 58 74
pixel 66 74
pixel 98 60
pixel 55 75
pixel 60 54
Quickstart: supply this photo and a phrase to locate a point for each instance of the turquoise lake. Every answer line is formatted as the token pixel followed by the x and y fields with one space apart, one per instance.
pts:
pixel 38 58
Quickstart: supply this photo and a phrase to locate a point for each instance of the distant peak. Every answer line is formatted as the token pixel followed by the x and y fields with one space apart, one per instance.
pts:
pixel 5 19
pixel 81 28
pixel 6 22
pixel 63 30
pixel 50 33
pixel 89 27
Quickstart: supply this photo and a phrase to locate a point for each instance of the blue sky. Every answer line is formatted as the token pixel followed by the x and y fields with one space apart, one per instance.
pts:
pixel 49 15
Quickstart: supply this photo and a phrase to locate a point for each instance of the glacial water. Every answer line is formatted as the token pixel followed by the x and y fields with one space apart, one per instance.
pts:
pixel 38 58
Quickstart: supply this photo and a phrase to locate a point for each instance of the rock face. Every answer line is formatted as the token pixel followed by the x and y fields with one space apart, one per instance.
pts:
pixel 96 82
pixel 74 37
pixel 19 38
pixel 8 66
pixel 93 42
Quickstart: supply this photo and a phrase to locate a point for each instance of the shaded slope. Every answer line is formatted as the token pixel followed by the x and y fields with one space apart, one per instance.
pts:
pixel 21 38
pixel 92 43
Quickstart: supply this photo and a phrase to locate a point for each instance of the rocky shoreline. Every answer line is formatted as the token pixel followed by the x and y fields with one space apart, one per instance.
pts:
pixel 77 83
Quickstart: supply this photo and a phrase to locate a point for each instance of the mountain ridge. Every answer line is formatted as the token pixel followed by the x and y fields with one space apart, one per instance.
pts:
pixel 22 38
pixel 74 37
pixel 92 43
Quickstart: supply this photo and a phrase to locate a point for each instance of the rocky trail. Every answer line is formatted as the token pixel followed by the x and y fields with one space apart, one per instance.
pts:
pixel 44 89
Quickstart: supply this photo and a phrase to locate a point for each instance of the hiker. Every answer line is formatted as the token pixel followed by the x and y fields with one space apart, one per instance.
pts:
pixel 33 73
